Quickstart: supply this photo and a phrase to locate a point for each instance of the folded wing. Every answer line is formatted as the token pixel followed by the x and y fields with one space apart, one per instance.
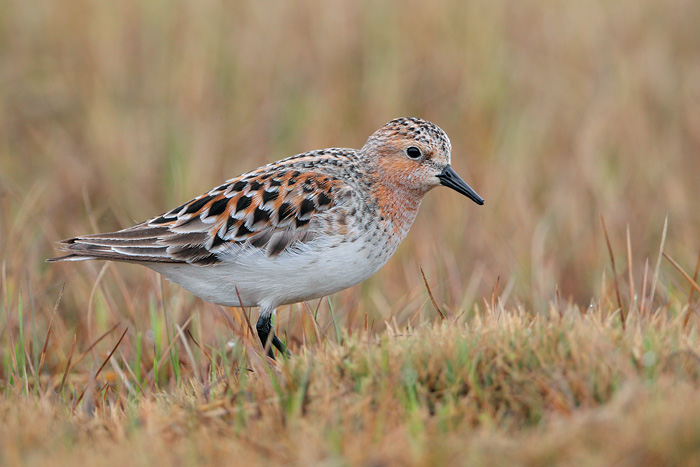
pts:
pixel 266 210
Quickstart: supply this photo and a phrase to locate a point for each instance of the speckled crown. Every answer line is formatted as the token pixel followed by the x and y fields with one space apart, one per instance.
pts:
pixel 410 127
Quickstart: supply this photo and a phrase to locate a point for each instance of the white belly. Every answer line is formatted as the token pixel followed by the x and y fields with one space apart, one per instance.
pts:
pixel 319 268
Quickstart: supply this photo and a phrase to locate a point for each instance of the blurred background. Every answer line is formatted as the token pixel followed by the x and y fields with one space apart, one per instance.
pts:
pixel 558 112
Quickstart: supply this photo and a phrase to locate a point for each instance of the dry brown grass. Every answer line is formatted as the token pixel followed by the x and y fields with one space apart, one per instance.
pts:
pixel 505 388
pixel 559 112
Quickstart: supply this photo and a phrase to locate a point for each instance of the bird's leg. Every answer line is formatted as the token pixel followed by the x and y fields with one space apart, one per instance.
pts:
pixel 264 327
pixel 265 333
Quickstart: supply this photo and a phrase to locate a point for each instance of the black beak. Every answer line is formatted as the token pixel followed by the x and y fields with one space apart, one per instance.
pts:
pixel 450 179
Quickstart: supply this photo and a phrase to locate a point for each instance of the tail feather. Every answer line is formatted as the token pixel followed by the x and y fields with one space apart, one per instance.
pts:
pixel 78 250
pixel 140 243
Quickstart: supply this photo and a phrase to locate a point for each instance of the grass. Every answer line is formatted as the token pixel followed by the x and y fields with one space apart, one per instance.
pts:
pixel 502 387
pixel 523 332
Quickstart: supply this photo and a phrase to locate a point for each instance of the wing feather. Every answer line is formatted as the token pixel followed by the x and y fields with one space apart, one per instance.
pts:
pixel 270 210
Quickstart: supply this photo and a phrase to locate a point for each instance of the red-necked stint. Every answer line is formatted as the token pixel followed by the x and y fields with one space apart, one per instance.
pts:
pixel 297 229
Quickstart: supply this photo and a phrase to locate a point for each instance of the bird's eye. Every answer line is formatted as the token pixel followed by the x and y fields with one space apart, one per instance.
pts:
pixel 413 152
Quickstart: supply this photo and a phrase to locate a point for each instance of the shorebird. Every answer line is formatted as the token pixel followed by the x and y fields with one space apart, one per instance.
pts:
pixel 293 230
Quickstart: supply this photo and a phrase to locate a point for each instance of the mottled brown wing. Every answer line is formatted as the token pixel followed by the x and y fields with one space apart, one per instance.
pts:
pixel 268 210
